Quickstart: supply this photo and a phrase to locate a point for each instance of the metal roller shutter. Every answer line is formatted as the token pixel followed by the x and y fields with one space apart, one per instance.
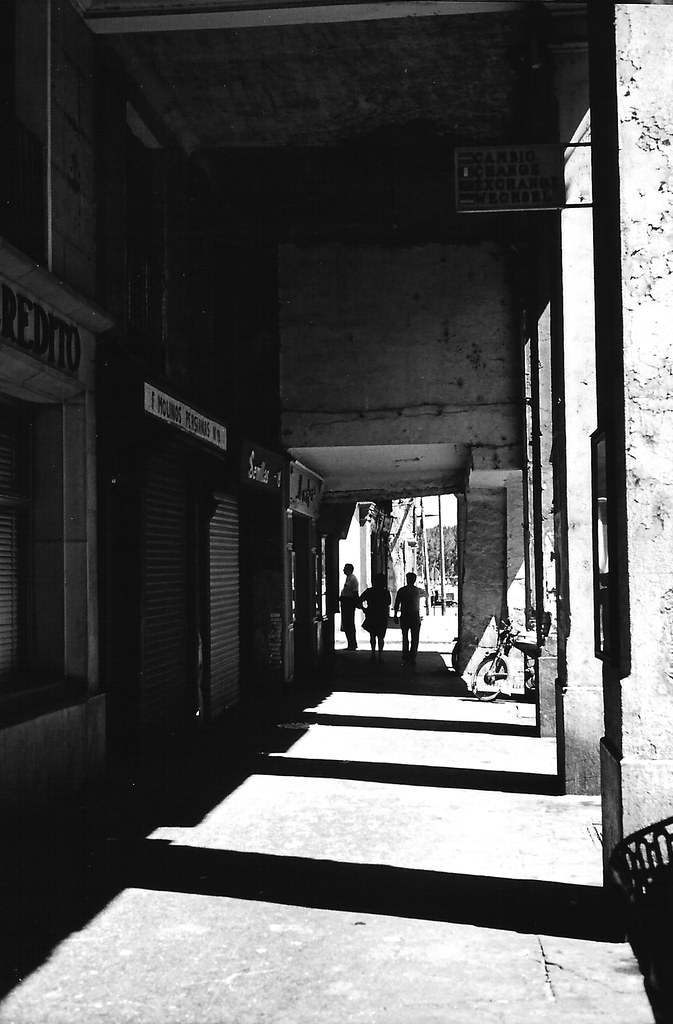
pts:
pixel 224 589
pixel 13 456
pixel 9 592
pixel 167 612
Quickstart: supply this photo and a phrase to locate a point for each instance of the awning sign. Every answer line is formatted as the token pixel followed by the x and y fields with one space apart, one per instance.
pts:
pixel 500 178
pixel 190 421
pixel 305 490
pixel 261 468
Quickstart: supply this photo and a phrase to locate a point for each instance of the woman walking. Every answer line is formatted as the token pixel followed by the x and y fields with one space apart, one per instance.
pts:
pixel 376 602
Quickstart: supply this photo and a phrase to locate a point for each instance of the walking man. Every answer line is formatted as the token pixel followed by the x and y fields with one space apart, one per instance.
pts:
pixel 349 600
pixel 408 606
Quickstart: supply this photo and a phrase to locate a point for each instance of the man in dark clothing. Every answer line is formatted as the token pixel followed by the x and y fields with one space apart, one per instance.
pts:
pixel 408 606
pixel 349 600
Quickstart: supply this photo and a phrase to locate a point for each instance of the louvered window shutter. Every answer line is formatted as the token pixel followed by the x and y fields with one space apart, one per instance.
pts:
pixel 13 427
pixel 224 589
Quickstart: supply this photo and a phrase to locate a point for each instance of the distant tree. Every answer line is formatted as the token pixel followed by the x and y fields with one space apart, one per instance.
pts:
pixel 450 550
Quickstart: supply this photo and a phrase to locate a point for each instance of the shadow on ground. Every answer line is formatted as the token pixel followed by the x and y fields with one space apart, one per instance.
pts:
pixel 53 882
pixel 522 905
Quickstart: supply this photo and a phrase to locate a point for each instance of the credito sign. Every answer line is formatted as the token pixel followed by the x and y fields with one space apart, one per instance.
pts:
pixel 28 326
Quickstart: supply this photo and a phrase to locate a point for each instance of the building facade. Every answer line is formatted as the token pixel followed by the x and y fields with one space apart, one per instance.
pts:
pixel 225 322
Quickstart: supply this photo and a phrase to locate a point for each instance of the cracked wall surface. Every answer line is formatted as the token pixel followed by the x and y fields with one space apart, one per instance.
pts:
pixel 644 41
pixel 398 346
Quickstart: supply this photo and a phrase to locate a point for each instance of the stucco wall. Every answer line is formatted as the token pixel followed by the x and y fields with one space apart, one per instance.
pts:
pixel 406 345
pixel 644 44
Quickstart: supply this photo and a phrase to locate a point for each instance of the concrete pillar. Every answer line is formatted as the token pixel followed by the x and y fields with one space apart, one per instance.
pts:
pixel 633 169
pixel 580 681
pixel 544 532
pixel 484 576
pixel 516 564
pixel 516 568
pixel 580 690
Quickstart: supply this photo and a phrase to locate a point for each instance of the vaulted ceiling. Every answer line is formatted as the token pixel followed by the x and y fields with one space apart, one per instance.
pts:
pixel 338 120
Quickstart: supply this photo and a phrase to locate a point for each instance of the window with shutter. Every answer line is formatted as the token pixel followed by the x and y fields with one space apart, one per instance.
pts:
pixel 14 506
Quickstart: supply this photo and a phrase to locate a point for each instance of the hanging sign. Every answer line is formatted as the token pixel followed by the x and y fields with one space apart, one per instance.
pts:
pixel 261 468
pixel 305 490
pixel 498 178
pixel 177 414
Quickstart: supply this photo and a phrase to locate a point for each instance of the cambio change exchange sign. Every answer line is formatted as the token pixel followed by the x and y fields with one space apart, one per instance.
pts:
pixel 509 178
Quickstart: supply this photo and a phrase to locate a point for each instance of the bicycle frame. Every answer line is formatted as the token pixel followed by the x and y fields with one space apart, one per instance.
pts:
pixel 495 674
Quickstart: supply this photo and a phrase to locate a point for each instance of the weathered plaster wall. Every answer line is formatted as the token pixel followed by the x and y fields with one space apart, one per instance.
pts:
pixel 644 42
pixel 407 345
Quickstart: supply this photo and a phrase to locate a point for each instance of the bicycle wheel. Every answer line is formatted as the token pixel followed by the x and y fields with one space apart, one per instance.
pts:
pixel 488 676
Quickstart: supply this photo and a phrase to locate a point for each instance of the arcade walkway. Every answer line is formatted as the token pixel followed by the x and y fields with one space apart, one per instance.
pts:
pixel 378 847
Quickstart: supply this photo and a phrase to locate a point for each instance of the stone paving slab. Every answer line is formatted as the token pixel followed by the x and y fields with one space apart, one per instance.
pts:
pixel 174 958
pixel 414 707
pixel 298 896
pixel 526 754
pixel 446 830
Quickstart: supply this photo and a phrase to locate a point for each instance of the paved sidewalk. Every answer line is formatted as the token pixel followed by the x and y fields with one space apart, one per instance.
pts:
pixel 358 852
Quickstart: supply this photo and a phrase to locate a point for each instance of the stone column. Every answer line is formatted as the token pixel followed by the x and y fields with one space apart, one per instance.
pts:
pixel 545 575
pixel 580 690
pixel 484 576
pixel 516 567
pixel 632 100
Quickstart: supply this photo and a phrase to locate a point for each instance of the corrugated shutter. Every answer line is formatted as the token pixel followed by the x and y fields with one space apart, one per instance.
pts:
pixel 13 435
pixel 167 613
pixel 224 589
pixel 9 593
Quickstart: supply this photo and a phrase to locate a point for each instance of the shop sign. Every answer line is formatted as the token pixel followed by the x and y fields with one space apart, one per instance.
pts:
pixel 261 468
pixel 305 490
pixel 30 327
pixel 177 414
pixel 500 178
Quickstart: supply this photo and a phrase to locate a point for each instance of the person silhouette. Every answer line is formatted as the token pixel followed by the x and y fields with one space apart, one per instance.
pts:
pixel 408 606
pixel 377 601
pixel 348 601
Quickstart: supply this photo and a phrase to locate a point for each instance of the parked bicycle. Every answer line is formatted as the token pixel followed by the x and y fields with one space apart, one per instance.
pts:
pixel 495 675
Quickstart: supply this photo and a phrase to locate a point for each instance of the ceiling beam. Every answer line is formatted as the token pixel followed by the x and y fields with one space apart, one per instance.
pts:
pixel 115 17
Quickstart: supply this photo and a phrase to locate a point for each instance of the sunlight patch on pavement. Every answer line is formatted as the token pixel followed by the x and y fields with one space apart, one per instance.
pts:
pixel 471 832
pixel 184 958
pixel 424 707
pixel 524 754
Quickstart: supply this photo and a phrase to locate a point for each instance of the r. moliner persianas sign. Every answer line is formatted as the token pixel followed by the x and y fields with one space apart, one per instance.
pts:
pixel 182 416
pixel 509 178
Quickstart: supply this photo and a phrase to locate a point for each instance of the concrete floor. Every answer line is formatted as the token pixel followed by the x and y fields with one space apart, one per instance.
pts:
pixel 375 847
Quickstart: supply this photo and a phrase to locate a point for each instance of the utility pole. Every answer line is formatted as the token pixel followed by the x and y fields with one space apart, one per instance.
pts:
pixel 441 554
pixel 426 566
